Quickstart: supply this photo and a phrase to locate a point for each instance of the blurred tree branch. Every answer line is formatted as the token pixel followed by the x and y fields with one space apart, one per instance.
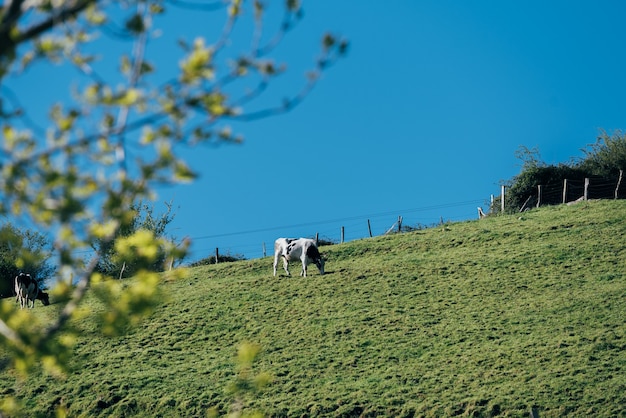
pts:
pixel 75 180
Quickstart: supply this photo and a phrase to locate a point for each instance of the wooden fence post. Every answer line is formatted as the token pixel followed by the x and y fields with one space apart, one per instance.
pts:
pixel 565 191
pixel 586 192
pixel 342 234
pixel 502 199
pixel 619 182
pixel 369 228
pixel 264 252
pixel 399 223
pixel 539 195
pixel 525 203
pixel 217 255
pixel 317 238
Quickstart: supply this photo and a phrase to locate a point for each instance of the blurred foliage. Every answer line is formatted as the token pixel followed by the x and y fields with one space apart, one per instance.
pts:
pixel 80 174
pixel 115 263
pixel 127 302
pixel 247 383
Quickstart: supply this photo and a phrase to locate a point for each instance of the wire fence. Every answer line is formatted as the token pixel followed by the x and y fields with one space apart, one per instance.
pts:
pixel 353 228
pixel 248 245
pixel 572 190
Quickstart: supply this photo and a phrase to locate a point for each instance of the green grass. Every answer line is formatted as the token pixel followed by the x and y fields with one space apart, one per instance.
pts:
pixel 480 318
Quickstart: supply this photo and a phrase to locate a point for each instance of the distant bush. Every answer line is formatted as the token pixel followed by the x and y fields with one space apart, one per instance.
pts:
pixel 420 226
pixel 23 250
pixel 603 159
pixel 228 258
pixel 607 156
pixel 325 241
pixel 525 184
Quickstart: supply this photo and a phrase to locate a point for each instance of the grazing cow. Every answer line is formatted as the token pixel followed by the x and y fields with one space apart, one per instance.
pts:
pixel 292 249
pixel 27 291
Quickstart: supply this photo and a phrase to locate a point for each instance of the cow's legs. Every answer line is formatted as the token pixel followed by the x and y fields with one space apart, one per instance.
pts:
pixel 286 265
pixel 276 256
pixel 303 272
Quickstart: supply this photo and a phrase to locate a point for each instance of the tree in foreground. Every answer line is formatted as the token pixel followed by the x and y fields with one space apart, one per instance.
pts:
pixel 76 174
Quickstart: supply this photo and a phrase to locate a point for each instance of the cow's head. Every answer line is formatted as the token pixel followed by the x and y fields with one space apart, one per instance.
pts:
pixel 320 264
pixel 44 298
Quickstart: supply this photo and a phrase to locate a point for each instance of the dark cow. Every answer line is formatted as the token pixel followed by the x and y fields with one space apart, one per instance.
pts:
pixel 302 249
pixel 27 291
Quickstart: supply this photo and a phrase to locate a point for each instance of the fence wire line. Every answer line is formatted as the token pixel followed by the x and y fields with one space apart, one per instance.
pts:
pixel 551 192
pixel 353 230
pixel 598 187
pixel 326 233
pixel 352 218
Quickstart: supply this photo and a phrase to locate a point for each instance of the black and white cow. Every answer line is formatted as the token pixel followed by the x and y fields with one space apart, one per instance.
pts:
pixel 27 291
pixel 302 249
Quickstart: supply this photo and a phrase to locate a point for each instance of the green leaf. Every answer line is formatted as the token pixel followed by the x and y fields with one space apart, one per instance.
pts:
pixel 157 8
pixel 135 24
pixel 92 93
pixel 95 16
pixel 183 173
pixel 293 5
pixel 148 136
pixel 125 65
pixel 235 8
pixel 215 104
pixel 328 41
pixel 258 10
pixel 129 98
pixel 198 63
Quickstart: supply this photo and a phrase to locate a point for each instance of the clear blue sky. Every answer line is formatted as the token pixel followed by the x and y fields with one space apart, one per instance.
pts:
pixel 421 119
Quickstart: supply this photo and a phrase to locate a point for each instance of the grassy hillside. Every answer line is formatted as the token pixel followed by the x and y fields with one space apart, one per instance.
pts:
pixel 481 318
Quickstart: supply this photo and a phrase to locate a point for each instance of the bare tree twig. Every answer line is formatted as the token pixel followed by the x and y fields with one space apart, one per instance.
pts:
pixel 44 26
